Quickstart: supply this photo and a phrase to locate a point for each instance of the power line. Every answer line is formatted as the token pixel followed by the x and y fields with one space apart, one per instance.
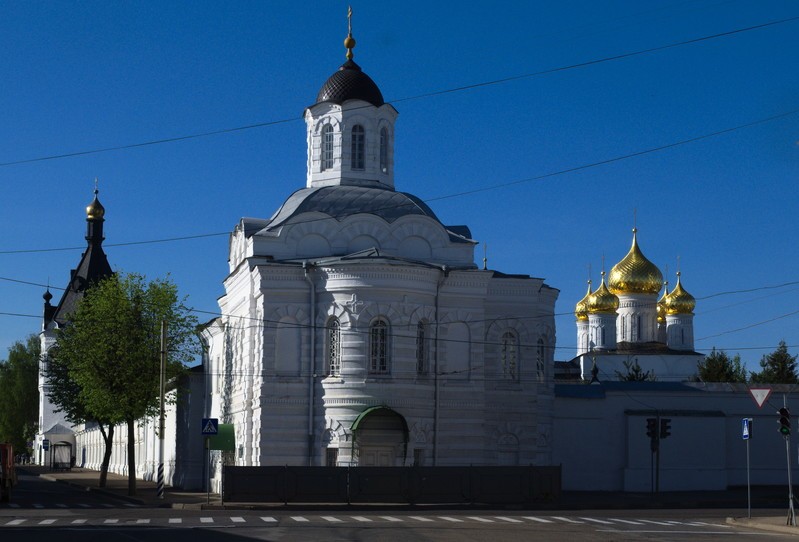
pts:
pixel 408 98
pixel 457 194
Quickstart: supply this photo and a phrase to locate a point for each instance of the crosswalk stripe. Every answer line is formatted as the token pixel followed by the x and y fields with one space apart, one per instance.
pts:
pixel 390 518
pixel 703 524
pixel 361 518
pixel 61 506
pixel 13 505
pixel 237 519
pixel 627 521
pixel 130 505
pixel 331 519
pixel 206 519
pixel 84 505
pixel 420 518
pixel 509 520
pixel 78 521
pixel 601 521
pixel 482 520
pixel 540 520
pixel 47 522
pixel 453 520
pixel 268 519
pixel 656 522
pixel 142 521
pixel 111 521
pixel 38 506
pixel 567 520
pixel 16 521
pixel 299 518
pixel 175 520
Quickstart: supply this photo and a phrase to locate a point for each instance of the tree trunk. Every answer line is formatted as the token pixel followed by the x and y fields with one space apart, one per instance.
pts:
pixel 131 458
pixel 109 441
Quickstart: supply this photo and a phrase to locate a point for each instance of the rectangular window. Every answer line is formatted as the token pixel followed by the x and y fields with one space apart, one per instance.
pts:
pixel 421 348
pixel 357 149
pixel 378 347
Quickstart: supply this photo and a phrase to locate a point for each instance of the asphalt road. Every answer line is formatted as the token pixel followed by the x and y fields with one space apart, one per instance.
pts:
pixel 49 510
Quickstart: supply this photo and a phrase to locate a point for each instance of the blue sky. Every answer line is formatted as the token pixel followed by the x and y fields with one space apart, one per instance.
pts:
pixel 82 76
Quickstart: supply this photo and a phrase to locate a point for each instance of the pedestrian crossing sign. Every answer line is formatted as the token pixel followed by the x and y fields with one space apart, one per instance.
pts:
pixel 210 426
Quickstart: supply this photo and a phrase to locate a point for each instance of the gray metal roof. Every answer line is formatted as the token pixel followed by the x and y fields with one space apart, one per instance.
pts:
pixel 339 202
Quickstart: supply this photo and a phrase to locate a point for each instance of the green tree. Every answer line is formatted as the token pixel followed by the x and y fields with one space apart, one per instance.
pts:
pixel 111 350
pixel 635 373
pixel 779 367
pixel 19 394
pixel 719 367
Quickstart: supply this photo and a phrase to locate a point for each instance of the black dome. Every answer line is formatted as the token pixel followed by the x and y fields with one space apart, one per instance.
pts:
pixel 350 83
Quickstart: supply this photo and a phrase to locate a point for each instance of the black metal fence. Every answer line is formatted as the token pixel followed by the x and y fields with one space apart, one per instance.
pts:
pixel 410 485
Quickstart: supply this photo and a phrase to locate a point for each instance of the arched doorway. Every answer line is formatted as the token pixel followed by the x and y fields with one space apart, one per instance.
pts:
pixel 380 438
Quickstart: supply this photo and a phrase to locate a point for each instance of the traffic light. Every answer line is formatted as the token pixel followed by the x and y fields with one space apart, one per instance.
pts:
pixel 665 427
pixel 651 428
pixel 785 421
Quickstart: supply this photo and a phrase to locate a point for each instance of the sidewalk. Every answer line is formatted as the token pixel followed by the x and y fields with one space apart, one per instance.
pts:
pixel 769 497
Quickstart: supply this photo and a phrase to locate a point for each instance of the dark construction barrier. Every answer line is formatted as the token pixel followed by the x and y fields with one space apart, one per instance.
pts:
pixel 412 485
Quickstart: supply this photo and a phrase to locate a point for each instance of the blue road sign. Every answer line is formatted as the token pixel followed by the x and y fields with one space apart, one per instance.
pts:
pixel 210 426
pixel 46 444
pixel 746 428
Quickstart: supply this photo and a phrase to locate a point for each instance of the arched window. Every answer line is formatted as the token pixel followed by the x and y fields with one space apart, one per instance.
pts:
pixel 540 359
pixel 509 355
pixel 384 149
pixel 327 147
pixel 357 149
pixel 378 347
pixel 333 347
pixel 422 347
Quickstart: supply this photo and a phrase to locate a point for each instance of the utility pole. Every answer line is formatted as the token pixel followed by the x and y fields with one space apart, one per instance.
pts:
pixel 161 420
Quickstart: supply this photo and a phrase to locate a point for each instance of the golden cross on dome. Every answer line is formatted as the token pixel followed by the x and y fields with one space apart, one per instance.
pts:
pixel 349 42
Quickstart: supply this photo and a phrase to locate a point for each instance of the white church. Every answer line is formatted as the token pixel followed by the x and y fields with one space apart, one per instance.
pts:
pixel 357 328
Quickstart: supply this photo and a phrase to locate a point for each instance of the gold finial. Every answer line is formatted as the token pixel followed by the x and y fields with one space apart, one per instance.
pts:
pixel 349 41
pixel 95 210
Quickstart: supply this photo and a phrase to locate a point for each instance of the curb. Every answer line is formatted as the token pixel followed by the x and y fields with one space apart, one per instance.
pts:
pixel 760 523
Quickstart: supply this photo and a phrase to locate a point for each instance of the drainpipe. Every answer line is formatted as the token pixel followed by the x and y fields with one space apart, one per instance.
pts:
pixel 444 274
pixel 308 268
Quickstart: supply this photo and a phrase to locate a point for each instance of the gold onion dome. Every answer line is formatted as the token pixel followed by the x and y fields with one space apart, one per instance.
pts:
pixel 679 301
pixel 581 308
pixel 95 209
pixel 602 300
pixel 662 303
pixel 634 274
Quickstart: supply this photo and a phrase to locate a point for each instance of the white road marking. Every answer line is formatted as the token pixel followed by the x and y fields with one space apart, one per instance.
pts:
pixel 111 521
pixel 84 505
pixel 206 519
pixel 657 522
pixel 331 519
pixel 420 518
pixel 453 520
pixel 703 524
pixel 175 520
pixel 16 521
pixel 361 518
pixel 47 522
pixel 61 506
pixel 627 521
pixel 142 521
pixel 237 519
pixel 268 519
pixel 13 505
pixel 482 520
pixel 390 518
pixel 78 521
pixel 509 520
pixel 540 520
pixel 299 518
pixel 38 506
pixel 567 520
pixel 602 521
